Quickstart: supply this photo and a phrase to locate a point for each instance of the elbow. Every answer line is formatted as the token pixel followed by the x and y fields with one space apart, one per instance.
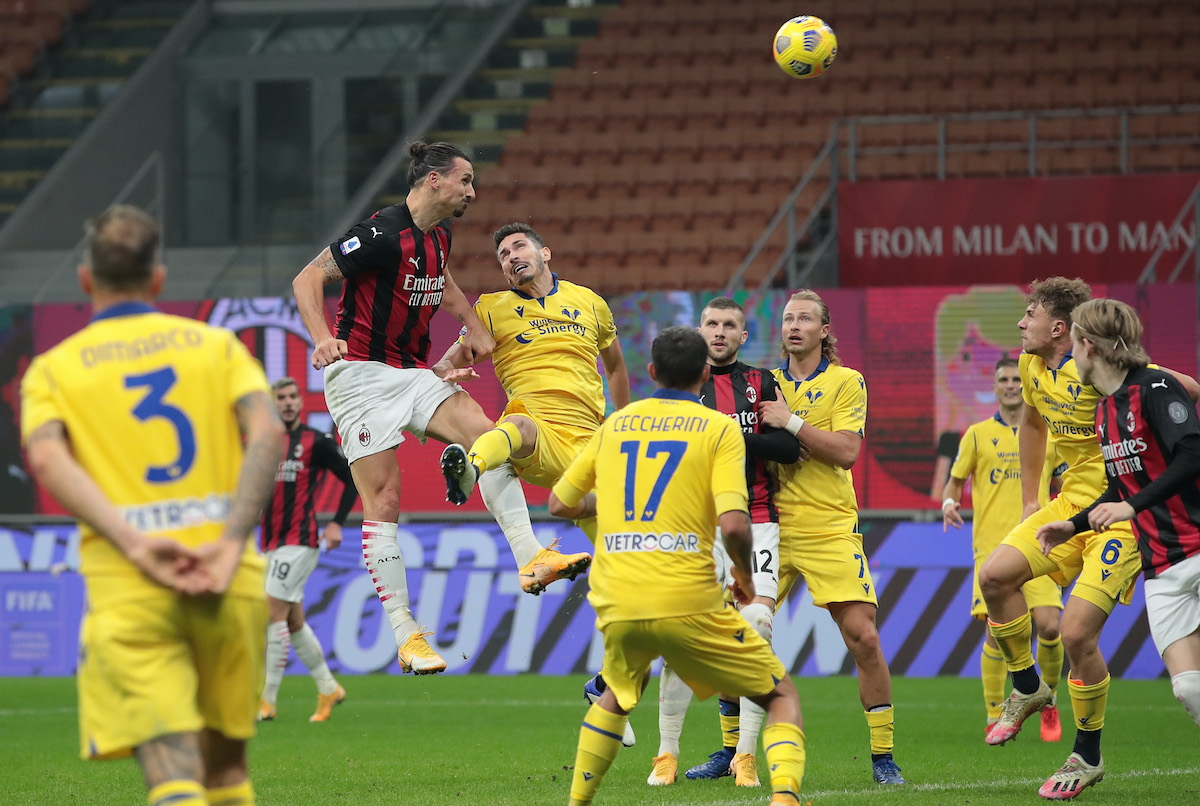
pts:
pixel 557 508
pixel 848 459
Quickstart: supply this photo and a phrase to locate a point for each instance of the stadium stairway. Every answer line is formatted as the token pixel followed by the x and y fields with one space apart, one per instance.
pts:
pixel 96 53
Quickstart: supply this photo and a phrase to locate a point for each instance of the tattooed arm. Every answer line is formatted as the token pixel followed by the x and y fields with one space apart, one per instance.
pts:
pixel 265 441
pixel 309 288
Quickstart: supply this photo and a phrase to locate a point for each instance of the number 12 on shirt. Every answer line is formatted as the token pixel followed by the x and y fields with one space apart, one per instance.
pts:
pixel 633 450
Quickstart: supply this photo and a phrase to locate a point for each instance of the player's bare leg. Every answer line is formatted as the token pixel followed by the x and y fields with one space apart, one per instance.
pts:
pixel 460 421
pixel 377 478
pixel 173 769
pixel 856 620
pixel 226 771
pixel 1182 660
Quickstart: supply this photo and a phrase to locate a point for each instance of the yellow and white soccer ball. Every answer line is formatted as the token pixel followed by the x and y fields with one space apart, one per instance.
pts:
pixel 804 47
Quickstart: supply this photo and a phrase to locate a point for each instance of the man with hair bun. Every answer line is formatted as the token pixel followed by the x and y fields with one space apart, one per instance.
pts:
pixel 378 383
pixel 1150 442
pixel 1060 406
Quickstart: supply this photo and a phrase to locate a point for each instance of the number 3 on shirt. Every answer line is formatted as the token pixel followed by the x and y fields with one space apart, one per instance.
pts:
pixel 159 383
pixel 674 449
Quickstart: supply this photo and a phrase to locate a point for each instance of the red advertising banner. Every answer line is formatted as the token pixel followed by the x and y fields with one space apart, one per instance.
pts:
pixel 1102 228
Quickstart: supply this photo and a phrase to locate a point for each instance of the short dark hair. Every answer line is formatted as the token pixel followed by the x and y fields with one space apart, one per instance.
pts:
pixel 1005 362
pixel 284 383
pixel 679 355
pixel 724 304
pixel 512 229
pixel 436 157
pixel 122 248
pixel 1059 296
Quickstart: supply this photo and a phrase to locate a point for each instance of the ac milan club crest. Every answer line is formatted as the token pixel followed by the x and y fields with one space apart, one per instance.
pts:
pixel 364 436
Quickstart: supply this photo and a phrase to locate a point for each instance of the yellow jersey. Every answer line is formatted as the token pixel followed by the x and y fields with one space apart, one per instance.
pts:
pixel 1068 408
pixel 147 402
pixel 989 454
pixel 816 497
pixel 663 469
pixel 546 350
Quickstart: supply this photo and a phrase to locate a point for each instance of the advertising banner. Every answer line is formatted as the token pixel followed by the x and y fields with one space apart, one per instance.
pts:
pixel 929 232
pixel 463 584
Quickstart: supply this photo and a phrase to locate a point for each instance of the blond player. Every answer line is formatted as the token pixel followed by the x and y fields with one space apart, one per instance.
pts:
pixel 135 424
pixel 1059 406
pixel 549 335
pixel 989 455
pixel 824 405
pixel 666 472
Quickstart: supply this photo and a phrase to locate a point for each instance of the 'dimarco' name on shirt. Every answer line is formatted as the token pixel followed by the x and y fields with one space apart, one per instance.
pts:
pixel 652 541
pixel 173 339
pixel 650 423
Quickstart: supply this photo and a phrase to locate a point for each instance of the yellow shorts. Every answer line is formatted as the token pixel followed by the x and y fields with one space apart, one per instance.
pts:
pixel 169 665
pixel 1038 592
pixel 1107 564
pixel 711 651
pixel 557 446
pixel 834 566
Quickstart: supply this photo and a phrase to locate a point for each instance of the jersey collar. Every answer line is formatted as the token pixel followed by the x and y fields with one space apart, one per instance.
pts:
pixel 822 365
pixel 674 394
pixel 123 309
pixel 725 370
pixel 542 300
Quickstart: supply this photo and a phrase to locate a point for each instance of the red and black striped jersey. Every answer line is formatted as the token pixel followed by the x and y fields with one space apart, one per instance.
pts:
pixel 1141 427
pixel 395 275
pixel 290 518
pixel 737 390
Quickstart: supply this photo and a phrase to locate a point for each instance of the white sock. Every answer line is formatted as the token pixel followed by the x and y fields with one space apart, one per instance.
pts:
pixel 1186 686
pixel 310 653
pixel 761 618
pixel 381 552
pixel 749 724
pixel 278 643
pixel 674 696
pixel 504 498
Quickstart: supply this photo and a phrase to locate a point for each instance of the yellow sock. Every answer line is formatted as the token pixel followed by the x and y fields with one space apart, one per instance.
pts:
pixel 237 795
pixel 1088 702
pixel 1050 661
pixel 1014 637
pixel 883 729
pixel 494 447
pixel 994 673
pixel 599 741
pixel 177 793
pixel 731 715
pixel 784 744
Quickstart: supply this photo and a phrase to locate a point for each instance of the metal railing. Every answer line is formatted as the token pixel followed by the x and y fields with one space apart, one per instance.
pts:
pixel 844 144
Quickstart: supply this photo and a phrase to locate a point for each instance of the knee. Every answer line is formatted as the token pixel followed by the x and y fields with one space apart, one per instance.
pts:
pixel 1078 638
pixel 1048 631
pixel 862 638
pixel 760 618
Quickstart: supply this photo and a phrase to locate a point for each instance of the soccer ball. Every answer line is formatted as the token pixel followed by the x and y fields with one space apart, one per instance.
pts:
pixel 805 47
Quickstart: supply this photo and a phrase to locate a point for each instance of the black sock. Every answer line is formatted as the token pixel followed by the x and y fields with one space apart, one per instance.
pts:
pixel 600 684
pixel 1027 680
pixel 1087 745
pixel 877 756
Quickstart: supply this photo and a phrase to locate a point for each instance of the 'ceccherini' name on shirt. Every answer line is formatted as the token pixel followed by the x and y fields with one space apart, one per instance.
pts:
pixel 638 541
pixel 647 423
pixel 173 339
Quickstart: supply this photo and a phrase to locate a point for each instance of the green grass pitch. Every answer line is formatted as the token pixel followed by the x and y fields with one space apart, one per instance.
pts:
pixel 511 740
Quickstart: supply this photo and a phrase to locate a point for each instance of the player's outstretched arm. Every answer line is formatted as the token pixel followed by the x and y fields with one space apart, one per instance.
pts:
pixel 477 342
pixel 617 374
pixel 309 288
pixel 164 561
pixel 266 439
pixel 952 502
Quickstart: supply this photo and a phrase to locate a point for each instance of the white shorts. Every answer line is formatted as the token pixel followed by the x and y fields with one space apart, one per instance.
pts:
pixel 288 568
pixel 1173 602
pixel 764 559
pixel 372 403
